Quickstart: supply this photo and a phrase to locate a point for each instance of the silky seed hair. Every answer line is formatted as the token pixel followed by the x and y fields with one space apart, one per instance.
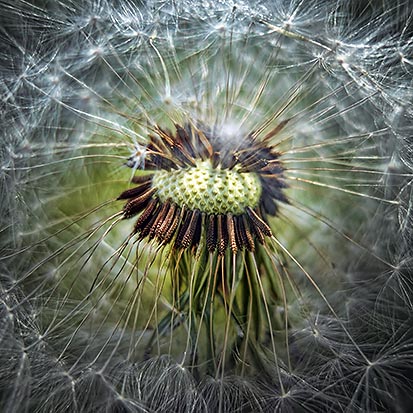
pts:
pixel 206 206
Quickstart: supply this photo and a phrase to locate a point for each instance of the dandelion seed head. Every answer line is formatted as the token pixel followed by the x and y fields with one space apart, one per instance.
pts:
pixel 198 173
pixel 210 190
pixel 271 293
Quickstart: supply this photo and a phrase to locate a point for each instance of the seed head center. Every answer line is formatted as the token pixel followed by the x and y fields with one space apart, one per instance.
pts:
pixel 208 189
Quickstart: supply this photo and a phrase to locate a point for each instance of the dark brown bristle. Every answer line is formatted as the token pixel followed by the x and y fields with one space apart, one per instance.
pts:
pixel 211 237
pixel 258 222
pixel 222 234
pixel 137 204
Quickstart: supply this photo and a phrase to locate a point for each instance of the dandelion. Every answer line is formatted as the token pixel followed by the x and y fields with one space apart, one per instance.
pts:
pixel 205 207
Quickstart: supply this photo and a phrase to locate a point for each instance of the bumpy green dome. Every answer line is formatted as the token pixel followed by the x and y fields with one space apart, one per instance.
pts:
pixel 210 190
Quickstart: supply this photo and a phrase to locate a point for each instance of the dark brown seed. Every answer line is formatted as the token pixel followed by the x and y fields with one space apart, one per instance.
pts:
pixel 190 231
pixel 171 151
pixel 159 219
pixel 165 225
pixel 238 238
pixel 247 236
pixel 231 233
pixel 158 154
pixel 198 230
pixel 186 220
pixel 273 189
pixel 146 215
pixel 145 228
pixel 170 230
pixel 257 232
pixel 137 204
pixel 211 237
pixel 247 157
pixel 222 234
pixel 141 179
pixel 258 222
pixel 135 192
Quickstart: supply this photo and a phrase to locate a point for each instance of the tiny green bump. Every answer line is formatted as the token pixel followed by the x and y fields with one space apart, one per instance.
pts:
pixel 210 190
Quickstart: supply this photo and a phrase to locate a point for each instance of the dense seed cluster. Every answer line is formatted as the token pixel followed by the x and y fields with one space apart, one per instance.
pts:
pixel 211 190
pixel 202 188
